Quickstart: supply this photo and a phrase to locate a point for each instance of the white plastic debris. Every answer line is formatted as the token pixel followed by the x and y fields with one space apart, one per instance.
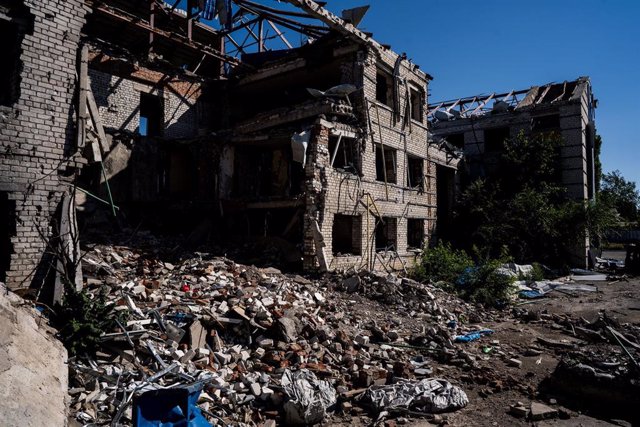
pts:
pixel 428 395
pixel 308 397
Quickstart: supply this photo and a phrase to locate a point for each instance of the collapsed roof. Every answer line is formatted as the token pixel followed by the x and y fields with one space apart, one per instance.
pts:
pixel 479 105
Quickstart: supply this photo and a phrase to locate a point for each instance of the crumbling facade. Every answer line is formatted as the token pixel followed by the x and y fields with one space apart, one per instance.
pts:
pixel 39 157
pixel 480 125
pixel 333 156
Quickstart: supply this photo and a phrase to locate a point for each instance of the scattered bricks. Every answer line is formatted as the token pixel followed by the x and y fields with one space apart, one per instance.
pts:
pixel 518 411
pixel 188 356
pixel 362 339
pixel 264 342
pixel 256 389
pixel 514 363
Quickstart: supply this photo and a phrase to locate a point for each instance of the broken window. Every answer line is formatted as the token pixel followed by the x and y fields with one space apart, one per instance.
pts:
pixel 151 115
pixel 385 164
pixel 386 234
pixel 495 138
pixel 457 140
pixel 416 105
pixel 415 172
pixel 344 153
pixel 382 88
pixel 415 233
pixel 7 230
pixel 10 65
pixel 346 234
pixel 547 123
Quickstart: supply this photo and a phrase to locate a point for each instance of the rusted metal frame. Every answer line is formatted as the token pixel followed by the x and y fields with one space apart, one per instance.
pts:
pixel 454 102
pixel 189 20
pixel 168 12
pixel 272 10
pixel 463 109
pixel 334 22
pixel 261 35
pixel 152 24
pixel 483 103
pixel 312 30
pixel 239 27
pixel 280 34
pixel 233 42
pixel 246 37
pixel 123 16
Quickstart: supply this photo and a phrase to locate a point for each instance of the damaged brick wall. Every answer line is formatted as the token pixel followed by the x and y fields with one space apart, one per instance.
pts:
pixel 37 132
pixel 361 198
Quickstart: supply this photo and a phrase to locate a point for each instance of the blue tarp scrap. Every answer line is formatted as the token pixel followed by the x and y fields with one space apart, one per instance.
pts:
pixel 531 294
pixel 170 407
pixel 472 336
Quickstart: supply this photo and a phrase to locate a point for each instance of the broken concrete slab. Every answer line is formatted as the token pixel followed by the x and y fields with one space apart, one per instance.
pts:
pixel 33 370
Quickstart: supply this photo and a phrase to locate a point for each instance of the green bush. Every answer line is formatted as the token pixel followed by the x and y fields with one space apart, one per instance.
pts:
pixel 442 264
pixel 486 285
pixel 82 318
pixel 455 271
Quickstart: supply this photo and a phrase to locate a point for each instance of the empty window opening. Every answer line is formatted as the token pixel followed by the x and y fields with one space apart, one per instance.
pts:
pixel 457 140
pixel 445 193
pixel 547 123
pixel 382 88
pixel 386 234
pixel 344 153
pixel 10 65
pixel 385 164
pixel 495 138
pixel 415 233
pixel 346 235
pixel 416 105
pixel 415 172
pixel 7 230
pixel 181 173
pixel 151 115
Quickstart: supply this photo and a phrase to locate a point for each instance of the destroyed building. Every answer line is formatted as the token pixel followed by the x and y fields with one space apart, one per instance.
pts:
pixel 480 125
pixel 321 148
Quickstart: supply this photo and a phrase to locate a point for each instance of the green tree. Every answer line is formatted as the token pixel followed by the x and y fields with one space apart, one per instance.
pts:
pixel 620 194
pixel 523 207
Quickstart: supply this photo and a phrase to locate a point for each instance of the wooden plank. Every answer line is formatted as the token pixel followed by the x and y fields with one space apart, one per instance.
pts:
pixel 97 122
pixel 82 97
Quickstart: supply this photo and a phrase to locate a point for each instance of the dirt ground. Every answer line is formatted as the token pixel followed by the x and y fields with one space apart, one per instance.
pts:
pixel 620 300
pixel 498 385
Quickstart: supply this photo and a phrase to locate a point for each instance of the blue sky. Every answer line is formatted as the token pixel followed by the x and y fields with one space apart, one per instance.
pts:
pixel 472 47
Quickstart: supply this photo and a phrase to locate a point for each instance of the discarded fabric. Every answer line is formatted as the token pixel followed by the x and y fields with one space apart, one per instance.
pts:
pixel 428 396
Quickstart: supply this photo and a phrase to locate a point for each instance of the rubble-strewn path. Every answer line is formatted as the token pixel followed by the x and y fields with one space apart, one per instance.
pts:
pixel 239 330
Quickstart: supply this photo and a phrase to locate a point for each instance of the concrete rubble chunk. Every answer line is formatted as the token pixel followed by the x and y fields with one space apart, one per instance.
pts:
pixel 540 411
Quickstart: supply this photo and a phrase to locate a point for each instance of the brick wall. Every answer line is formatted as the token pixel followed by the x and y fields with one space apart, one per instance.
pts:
pixel 37 134
pixel 331 191
pixel 118 100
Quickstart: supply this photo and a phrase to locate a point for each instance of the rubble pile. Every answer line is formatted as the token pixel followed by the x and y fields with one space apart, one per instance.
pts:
pixel 262 345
